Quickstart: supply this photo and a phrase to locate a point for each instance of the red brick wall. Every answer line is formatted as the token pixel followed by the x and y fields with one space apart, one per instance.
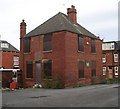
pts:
pixel 6 78
pixel 73 55
pixel 110 62
pixel 7 63
pixel 57 55
pixel 64 56
pixel 7 59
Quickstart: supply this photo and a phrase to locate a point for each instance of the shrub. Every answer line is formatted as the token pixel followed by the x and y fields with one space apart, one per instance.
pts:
pixel 113 80
pixel 103 81
pixel 55 83
pixel 95 80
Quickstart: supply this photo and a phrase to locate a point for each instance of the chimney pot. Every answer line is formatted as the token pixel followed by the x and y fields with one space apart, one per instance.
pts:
pixel 22 28
pixel 72 14
pixel 72 6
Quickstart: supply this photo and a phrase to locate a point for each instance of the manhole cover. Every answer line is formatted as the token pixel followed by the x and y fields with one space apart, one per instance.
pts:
pixel 38 96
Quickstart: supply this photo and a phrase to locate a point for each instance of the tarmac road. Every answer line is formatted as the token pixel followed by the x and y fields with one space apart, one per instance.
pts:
pixel 88 96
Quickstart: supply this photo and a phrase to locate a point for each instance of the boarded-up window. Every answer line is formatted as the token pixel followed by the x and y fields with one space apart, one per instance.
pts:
pixel 81 69
pixel 26 45
pixel 47 69
pixel 93 46
pixel 47 42
pixel 80 43
pixel 29 69
pixel 93 68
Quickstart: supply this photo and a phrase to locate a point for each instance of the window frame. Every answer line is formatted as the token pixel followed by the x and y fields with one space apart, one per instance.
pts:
pixel 104 58
pixel 116 74
pixel 4 45
pixel 27 45
pixel 47 42
pixel 104 71
pixel 80 43
pixel 15 56
pixel 29 69
pixel 115 57
pixel 93 46
pixel 47 75
pixel 93 68
pixel 81 71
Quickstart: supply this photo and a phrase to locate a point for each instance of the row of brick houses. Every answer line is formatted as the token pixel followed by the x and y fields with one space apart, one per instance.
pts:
pixel 111 59
pixel 9 59
pixel 60 47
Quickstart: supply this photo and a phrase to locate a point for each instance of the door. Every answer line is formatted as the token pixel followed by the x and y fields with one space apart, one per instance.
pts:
pixel 38 71
pixel 110 72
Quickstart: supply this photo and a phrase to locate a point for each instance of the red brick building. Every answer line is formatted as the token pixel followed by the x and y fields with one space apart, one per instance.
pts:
pixel 111 59
pixel 9 59
pixel 60 46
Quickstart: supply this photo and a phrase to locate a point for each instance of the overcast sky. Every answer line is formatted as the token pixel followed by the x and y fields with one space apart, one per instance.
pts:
pixel 98 16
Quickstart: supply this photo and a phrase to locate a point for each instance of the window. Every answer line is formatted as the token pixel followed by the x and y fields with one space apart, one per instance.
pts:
pixel 115 57
pixel 16 61
pixel 80 43
pixel 81 69
pixel 104 70
pixel 108 46
pixel 27 45
pixel 112 46
pixel 93 68
pixel 93 46
pixel 116 70
pixel 47 69
pixel 47 42
pixel 29 69
pixel 103 57
pixel 4 45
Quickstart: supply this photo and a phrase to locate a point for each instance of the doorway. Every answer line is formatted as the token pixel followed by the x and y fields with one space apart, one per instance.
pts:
pixel 110 72
pixel 38 72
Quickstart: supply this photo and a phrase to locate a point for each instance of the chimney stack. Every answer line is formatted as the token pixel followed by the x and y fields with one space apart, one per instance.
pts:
pixel 22 29
pixel 72 14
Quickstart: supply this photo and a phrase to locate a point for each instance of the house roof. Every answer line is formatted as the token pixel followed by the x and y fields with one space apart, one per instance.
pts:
pixel 117 44
pixel 10 48
pixel 59 22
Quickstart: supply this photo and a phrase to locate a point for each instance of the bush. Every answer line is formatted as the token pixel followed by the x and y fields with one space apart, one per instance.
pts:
pixel 103 81
pixel 55 83
pixel 95 80
pixel 78 85
pixel 113 81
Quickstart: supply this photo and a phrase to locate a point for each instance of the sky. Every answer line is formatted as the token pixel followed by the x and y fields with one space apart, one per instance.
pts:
pixel 98 16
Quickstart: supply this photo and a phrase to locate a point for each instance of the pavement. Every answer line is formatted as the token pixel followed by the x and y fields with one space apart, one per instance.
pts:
pixel 87 96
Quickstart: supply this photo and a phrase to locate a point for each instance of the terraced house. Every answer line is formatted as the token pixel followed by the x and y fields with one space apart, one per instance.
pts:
pixel 111 59
pixel 60 46
pixel 9 59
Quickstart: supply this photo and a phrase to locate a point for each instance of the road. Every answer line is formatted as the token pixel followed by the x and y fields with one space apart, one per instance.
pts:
pixel 88 96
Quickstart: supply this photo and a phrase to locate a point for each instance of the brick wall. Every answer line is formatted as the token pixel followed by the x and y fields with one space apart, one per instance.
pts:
pixel 64 56
pixel 7 63
pixel 73 56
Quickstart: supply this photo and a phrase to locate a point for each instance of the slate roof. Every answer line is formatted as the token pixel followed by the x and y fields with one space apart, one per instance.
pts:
pixel 118 45
pixel 59 22
pixel 10 49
